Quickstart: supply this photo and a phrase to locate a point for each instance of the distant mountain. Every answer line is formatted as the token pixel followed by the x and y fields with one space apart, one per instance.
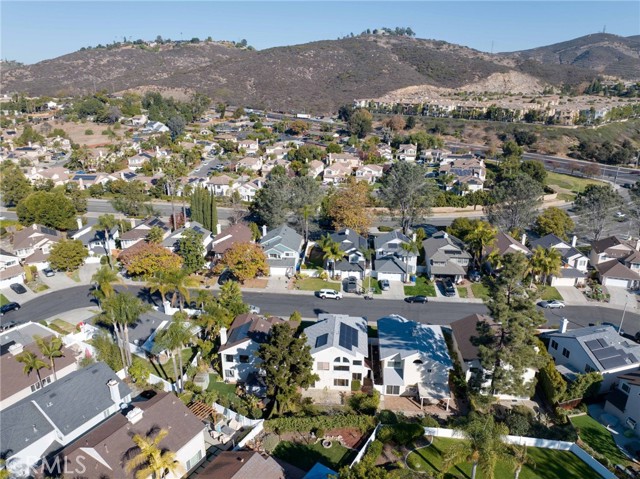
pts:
pixel 318 76
pixel 601 52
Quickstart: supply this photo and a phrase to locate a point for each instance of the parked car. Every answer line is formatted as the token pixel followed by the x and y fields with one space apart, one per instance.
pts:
pixel 637 337
pixel 384 285
pixel 7 325
pixel 449 288
pixel 48 272
pixel 5 308
pixel 254 309
pixel 416 299
pixel 329 294
pixel 225 277
pixel 620 215
pixel 351 285
pixel 555 304
pixel 18 288
pixel 475 276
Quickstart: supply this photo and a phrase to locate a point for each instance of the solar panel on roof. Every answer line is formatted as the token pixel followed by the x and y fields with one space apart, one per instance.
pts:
pixel 593 344
pixel 606 353
pixel 603 342
pixel 614 362
pixel 348 337
pixel 49 231
pixel 321 340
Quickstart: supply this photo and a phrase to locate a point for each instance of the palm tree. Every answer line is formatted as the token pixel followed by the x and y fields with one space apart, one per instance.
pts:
pixel 174 338
pixel 122 310
pixel 536 263
pixel 409 247
pixel 159 283
pixel 106 223
pixel 214 317
pixel 148 459
pixel 483 445
pixel 446 179
pixel 331 250
pixel 50 349
pixel 545 262
pixel 520 458
pixel 481 237
pixel 31 363
pixel 179 281
pixel 103 279
pixel 495 259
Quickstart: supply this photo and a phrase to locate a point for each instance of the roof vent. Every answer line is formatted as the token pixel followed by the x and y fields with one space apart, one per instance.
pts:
pixel 16 349
pixel 134 415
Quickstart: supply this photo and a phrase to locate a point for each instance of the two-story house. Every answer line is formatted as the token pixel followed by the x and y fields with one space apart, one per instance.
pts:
pixel 10 269
pixel 172 241
pixel 336 173
pixel 414 360
pixel 385 151
pixel 345 159
pixel 407 152
pixel 445 257
pixel 283 247
pixel 617 261
pixel 33 244
pixel 316 168
pixel 574 263
pixel 339 348
pixel 393 262
pixel 227 237
pixel 104 451
pixel 249 163
pixel 469 175
pixel 369 173
pixel 221 185
pixel 353 263
pixel 594 348
pixel 58 414
pixel 250 147
pixel 139 232
pixel 94 240
pixel 239 346
pixel 624 401
pixel 249 189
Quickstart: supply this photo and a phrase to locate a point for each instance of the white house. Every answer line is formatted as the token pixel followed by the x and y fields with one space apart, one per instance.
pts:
pixel 617 261
pixel 624 401
pixel 316 168
pixel 574 263
pixel 94 239
pixel 339 348
pixel 393 262
pixel 345 159
pixel 595 348
pixel 139 232
pixel 469 175
pixel 249 163
pixel 407 152
pixel 10 269
pixel 172 242
pixel 283 247
pixel 221 185
pixel 369 173
pixel 249 189
pixel 102 452
pixel 414 360
pixel 250 147
pixel 239 346
pixel 336 173
pixel 58 414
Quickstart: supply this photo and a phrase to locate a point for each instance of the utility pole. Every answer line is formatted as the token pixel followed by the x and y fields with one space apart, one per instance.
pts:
pixel 623 311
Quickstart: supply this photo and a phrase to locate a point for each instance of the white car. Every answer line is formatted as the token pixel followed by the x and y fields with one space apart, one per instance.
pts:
pixel 254 309
pixel 555 304
pixel 620 215
pixel 329 294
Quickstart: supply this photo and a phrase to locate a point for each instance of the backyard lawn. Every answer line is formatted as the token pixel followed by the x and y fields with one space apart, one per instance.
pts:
pixel 3 300
pixel 315 284
pixel 549 293
pixel 548 463
pixel 422 287
pixel 305 456
pixel 223 389
pixel 596 436
pixel 479 291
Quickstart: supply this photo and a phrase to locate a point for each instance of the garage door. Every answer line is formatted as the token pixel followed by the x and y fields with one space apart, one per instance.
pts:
pixel 621 283
pixel 390 276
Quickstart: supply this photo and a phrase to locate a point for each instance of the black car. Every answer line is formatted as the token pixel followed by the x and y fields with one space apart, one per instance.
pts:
pixel 416 299
pixel 474 276
pixel 225 277
pixel 18 288
pixel 8 307
pixel 449 289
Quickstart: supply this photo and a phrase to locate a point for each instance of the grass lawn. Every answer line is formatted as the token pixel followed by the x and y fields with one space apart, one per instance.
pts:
pixel 62 326
pixel 373 283
pixel 571 183
pixel 479 291
pixel 74 275
pixel 548 463
pixel 596 436
pixel 39 287
pixel 223 389
pixel 566 196
pixel 548 293
pixel 304 456
pixel 314 284
pixel 462 292
pixel 422 287
pixel 3 300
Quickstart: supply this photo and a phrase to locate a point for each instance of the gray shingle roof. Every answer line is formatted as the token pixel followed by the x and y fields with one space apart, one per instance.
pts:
pixel 443 242
pixel 282 236
pixel 349 240
pixel 390 264
pixel 379 242
pixel 331 326
pixel 22 425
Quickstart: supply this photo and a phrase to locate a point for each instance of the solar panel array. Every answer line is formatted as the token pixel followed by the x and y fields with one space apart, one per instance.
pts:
pixel 322 340
pixel 609 356
pixel 348 337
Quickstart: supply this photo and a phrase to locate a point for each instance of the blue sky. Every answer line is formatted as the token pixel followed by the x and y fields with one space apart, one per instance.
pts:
pixel 35 31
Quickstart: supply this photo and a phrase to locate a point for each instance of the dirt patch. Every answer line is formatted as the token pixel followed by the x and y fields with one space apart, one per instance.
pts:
pixel 77 132
pixel 256 283
pixel 351 437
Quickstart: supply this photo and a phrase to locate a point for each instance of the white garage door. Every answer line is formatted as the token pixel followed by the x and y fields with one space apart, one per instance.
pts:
pixel 390 276
pixel 621 283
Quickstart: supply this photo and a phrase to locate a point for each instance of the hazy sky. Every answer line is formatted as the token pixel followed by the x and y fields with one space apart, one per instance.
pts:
pixel 34 31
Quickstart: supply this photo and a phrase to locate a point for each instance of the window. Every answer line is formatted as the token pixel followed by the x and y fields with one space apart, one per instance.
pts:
pixel 418 361
pixel 625 387
pixel 244 359
pixel 322 366
pixel 340 382
pixel 341 368
pixel 631 422
pixel 357 362
pixel 229 373
pixel 393 390
pixel 565 352
pixel 191 463
pixel 554 345
pixel 35 387
pixel 395 364
pixel 356 377
pixel 228 358
pixel 336 360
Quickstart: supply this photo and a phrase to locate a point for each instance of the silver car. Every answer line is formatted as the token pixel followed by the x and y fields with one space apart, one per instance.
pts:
pixel 384 285
pixel 555 304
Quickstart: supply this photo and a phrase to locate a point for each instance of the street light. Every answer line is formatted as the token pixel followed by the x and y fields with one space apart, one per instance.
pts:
pixel 623 311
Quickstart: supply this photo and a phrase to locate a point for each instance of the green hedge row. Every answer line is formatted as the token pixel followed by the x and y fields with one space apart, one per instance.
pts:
pixel 308 424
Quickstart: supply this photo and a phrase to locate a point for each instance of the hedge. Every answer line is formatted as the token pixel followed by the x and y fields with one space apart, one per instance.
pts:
pixel 308 424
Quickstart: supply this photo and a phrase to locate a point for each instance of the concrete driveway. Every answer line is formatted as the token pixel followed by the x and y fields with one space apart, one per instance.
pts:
pixel 572 295
pixel 620 296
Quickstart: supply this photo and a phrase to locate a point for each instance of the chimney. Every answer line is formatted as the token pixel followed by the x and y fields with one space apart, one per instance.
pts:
pixel 264 230
pixel 574 241
pixel 15 349
pixel 413 237
pixel 638 244
pixel 79 222
pixel 564 325
pixel 223 336
pixel 523 240
pixel 133 222
pixel 134 415
pixel 218 229
pixel 346 232
pixel 114 391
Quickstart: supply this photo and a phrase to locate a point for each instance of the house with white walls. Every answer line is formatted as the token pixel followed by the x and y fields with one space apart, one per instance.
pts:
pixel 593 349
pixel 353 263
pixel 339 348
pixel 10 269
pixel 617 261
pixel 623 401
pixel 283 248
pixel 58 414
pixel 102 452
pixel 240 344
pixel 414 360
pixel 140 231
pixel 172 241
pixel 574 266
pixel 392 261
pixel 445 257
pixel 407 152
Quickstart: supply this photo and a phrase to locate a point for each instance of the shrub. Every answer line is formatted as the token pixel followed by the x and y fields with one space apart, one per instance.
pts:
pixel 355 385
pixel 406 433
pixel 429 421
pixel 387 417
pixel 385 229
pixel 364 403
pixel 138 371
pixel 270 442
pixel 88 132
pixel 307 424
pixel 518 423
pixel 374 451
pixel 385 434
pixel 319 432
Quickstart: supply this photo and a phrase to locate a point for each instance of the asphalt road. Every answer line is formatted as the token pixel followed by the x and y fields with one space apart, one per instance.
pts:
pixel 57 303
